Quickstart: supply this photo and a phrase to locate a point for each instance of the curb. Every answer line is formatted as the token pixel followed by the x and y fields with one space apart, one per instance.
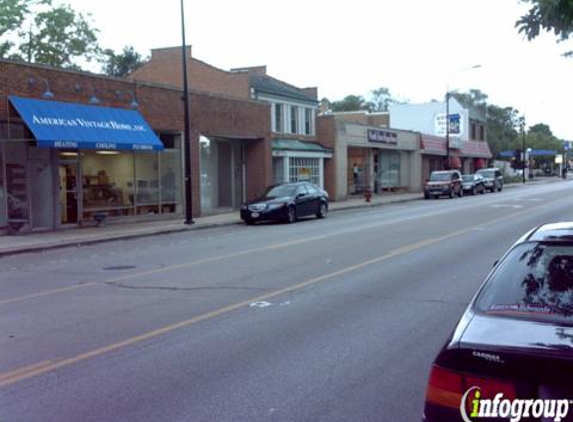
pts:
pixel 85 242
pixel 199 226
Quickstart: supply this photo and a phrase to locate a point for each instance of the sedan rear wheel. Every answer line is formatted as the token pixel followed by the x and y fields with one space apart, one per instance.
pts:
pixel 322 210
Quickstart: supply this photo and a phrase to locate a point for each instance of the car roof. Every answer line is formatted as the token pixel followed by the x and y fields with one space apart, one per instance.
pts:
pixel 553 232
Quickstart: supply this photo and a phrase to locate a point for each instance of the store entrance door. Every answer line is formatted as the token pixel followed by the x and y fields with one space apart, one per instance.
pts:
pixel 69 202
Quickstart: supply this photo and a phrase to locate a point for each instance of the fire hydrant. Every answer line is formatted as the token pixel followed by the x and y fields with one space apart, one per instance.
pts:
pixel 367 195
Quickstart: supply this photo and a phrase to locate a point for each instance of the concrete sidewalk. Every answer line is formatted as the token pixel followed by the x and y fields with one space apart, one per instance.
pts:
pixel 86 235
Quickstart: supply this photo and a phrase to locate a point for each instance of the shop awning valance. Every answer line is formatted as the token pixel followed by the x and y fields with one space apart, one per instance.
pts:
pixel 57 124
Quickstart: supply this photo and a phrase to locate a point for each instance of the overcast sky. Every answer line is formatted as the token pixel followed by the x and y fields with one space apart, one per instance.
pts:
pixel 416 48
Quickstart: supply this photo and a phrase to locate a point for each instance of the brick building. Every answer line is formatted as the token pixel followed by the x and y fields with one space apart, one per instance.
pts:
pixel 46 183
pixel 296 153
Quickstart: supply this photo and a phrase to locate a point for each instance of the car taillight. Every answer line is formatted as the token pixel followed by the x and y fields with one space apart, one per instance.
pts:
pixel 446 388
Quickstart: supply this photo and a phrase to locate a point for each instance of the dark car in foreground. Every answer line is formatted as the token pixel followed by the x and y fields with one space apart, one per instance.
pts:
pixel 286 202
pixel 511 354
pixel 447 182
pixel 493 179
pixel 473 183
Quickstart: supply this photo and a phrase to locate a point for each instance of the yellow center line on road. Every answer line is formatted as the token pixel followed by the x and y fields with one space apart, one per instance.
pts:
pixel 31 371
pixel 25 370
pixel 47 293
pixel 228 256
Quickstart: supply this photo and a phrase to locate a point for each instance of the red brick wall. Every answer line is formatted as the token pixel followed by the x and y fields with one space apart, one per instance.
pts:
pixel 165 67
pixel 161 107
pixel 325 135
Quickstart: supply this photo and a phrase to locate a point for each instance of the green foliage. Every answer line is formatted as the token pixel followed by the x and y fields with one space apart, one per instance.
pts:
pixel 502 128
pixel 547 15
pixel 59 37
pixel 351 103
pixel 473 98
pixel 51 35
pixel 13 13
pixel 502 122
pixel 381 99
pixel 121 64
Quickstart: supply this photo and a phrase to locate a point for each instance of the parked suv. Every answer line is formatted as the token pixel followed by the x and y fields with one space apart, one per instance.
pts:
pixel 447 183
pixel 493 179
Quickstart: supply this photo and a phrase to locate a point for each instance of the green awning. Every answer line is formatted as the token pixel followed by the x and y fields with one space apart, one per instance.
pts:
pixel 297 145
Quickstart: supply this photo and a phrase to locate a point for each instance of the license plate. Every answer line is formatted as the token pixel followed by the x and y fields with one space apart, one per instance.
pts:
pixel 254 214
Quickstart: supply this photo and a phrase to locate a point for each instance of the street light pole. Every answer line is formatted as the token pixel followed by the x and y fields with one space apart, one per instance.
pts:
pixel 447 166
pixel 186 135
pixel 523 148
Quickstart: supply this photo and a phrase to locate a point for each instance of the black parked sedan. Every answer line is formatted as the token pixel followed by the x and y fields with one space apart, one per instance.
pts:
pixel 286 202
pixel 511 355
pixel 473 183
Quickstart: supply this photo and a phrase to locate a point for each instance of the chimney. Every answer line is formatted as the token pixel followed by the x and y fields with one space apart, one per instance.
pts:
pixel 311 92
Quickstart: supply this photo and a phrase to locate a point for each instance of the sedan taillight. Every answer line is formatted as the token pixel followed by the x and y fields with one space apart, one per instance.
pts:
pixel 447 388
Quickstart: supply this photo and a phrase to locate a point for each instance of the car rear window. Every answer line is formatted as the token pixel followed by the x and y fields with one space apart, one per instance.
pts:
pixel 467 178
pixel 440 177
pixel 486 173
pixel 535 281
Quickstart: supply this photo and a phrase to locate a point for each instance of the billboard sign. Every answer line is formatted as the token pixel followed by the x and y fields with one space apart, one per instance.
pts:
pixel 456 128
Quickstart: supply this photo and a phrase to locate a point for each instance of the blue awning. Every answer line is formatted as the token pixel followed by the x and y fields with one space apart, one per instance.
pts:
pixel 76 126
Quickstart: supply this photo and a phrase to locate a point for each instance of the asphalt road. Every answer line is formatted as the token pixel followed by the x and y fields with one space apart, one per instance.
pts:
pixel 324 320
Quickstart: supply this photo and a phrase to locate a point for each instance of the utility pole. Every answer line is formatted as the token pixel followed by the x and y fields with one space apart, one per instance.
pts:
pixel 186 135
pixel 447 166
pixel 523 148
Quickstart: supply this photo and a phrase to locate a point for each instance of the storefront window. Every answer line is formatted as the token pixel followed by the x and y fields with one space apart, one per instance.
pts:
pixel 170 172
pixel 16 179
pixel 304 170
pixel 3 196
pixel 389 165
pixel 208 178
pixel 108 183
pixel 147 183
pixel 278 170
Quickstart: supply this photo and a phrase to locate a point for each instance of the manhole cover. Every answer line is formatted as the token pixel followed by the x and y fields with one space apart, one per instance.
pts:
pixel 120 268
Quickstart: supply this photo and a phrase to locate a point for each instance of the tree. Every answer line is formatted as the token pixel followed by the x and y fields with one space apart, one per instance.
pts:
pixel 54 36
pixel 13 13
pixel 121 64
pixel 547 15
pixel 351 103
pixel 502 128
pixel 473 98
pixel 502 122
pixel 381 99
